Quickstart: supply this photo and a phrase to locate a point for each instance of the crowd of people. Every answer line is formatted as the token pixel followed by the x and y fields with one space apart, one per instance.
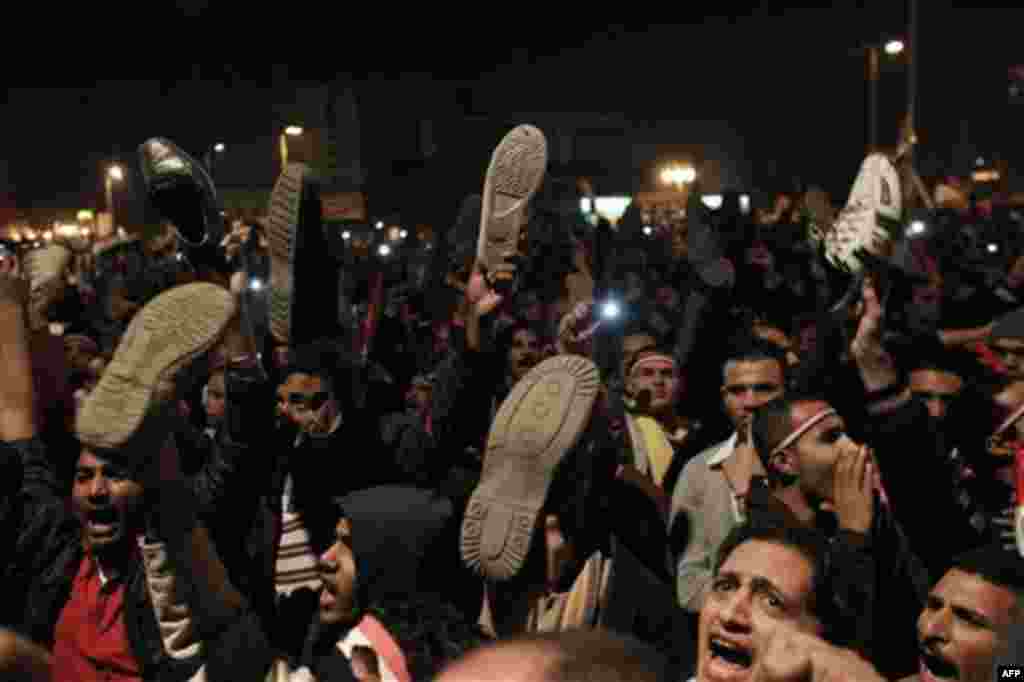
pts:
pixel 534 449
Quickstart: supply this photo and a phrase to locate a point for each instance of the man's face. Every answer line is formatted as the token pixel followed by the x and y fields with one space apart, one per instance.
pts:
pixel 337 569
pixel 524 354
pixel 936 388
pixel 631 345
pixel 215 396
pixel 300 397
pixel 818 450
pixel 105 500
pixel 963 628
pixel 750 384
pixel 661 379
pixel 761 586
pixel 1011 352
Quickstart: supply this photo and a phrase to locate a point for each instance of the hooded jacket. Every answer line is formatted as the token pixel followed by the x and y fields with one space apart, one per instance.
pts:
pixel 405 545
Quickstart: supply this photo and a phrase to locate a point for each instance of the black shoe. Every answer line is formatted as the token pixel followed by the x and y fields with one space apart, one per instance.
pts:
pixel 181 190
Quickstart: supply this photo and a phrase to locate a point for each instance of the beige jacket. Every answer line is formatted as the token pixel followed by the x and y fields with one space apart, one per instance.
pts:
pixel 704 496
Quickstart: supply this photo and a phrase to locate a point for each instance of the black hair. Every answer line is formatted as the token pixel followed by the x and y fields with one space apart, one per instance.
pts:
pixel 750 348
pixel 773 422
pixel 837 619
pixel 994 565
pixel 430 632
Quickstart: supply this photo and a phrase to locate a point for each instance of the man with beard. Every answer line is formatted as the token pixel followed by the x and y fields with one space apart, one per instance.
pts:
pixel 966 621
pixel 830 482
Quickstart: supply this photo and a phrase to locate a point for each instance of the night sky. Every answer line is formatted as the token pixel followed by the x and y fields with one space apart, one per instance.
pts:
pixel 785 79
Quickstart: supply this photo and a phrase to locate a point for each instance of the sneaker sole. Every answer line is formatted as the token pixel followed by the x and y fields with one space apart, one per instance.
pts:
pixel 540 421
pixel 282 224
pixel 514 175
pixel 170 332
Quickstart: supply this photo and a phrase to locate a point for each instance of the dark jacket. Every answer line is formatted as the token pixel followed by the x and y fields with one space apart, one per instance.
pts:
pixel 404 542
pixel 49 551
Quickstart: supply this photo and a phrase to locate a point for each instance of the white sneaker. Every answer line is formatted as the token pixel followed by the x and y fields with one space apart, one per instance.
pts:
pixel 876 196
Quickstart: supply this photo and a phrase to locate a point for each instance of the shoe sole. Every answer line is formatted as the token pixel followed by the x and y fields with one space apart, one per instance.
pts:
pixel 514 175
pixel 540 421
pixel 282 225
pixel 170 332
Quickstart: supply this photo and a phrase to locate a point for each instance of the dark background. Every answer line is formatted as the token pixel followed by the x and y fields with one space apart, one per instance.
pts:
pixel 787 80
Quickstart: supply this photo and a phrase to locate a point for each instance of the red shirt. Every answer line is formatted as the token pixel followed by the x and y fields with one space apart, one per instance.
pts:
pixel 91 638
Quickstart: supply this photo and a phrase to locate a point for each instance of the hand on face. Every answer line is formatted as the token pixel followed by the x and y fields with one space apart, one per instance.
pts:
pixel 853 494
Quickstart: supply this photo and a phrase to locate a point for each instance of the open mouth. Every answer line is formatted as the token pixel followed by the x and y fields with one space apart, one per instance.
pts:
pixel 730 653
pixel 937 668
pixel 102 521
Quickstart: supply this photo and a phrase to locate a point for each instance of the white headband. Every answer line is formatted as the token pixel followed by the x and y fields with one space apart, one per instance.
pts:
pixel 1010 420
pixel 807 425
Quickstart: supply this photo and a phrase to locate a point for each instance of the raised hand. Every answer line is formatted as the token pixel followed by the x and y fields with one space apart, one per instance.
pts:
pixel 853 497
pixel 787 655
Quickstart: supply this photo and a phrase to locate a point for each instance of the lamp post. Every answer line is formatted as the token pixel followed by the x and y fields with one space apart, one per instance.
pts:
pixel 211 156
pixel 113 174
pixel 892 48
pixel 290 131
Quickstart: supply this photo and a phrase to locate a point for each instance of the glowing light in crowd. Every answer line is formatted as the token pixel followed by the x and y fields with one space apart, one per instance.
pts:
pixel 85 216
pixel 116 173
pixel 712 201
pixel 86 232
pixel 219 147
pixel 610 310
pixel 380 225
pixel 384 250
pixel 993 248
pixel 916 228
pixel 648 230
pixel 293 131
pixel 894 47
pixel 678 175
pixel 48 236
pixel 612 208
pixel 256 284
pixel 346 235
pixel 403 234
pixel 587 205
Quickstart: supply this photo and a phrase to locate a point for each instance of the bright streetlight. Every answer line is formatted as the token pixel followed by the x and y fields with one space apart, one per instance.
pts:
pixel 219 147
pixel 114 174
pixel 678 176
pixel 290 131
